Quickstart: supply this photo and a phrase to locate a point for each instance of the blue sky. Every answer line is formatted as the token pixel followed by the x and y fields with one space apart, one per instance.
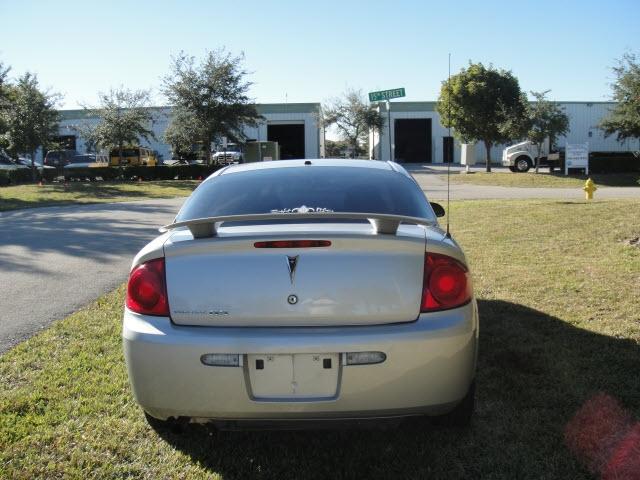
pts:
pixel 310 51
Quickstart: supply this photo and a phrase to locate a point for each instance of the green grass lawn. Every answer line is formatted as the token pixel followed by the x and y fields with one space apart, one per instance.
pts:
pixel 29 196
pixel 558 292
pixel 545 179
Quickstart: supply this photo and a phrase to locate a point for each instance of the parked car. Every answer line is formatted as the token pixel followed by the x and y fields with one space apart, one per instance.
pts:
pixel 59 158
pixel 175 161
pixel 39 166
pixel 80 166
pixel 7 163
pixel 302 290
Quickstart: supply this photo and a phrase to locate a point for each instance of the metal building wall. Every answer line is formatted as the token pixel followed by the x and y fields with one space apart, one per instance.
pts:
pixel 306 113
pixel 411 110
pixel 311 130
pixel 584 118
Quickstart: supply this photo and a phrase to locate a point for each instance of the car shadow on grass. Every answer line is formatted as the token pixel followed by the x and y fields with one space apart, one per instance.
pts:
pixel 534 373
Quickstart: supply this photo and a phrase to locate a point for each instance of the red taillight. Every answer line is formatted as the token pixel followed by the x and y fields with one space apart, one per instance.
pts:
pixel 446 283
pixel 147 289
pixel 293 244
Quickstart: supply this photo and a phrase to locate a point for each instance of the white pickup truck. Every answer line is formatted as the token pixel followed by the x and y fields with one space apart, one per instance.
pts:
pixel 232 153
pixel 522 156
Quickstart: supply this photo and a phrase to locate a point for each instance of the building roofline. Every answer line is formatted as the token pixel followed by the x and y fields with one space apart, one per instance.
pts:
pixel 314 107
pixel 422 102
pixel 78 113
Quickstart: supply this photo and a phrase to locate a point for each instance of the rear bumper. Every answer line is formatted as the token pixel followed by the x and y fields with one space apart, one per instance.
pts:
pixel 429 367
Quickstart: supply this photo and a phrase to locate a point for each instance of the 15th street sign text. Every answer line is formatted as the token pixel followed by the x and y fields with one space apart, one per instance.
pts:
pixel 386 95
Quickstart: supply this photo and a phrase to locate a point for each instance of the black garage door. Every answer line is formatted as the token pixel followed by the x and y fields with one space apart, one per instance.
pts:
pixel 413 140
pixel 290 138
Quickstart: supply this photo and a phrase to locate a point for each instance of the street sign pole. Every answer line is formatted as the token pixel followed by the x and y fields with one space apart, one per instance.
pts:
pixel 389 122
pixel 386 96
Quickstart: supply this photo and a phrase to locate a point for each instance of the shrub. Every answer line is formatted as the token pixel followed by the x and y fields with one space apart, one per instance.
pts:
pixel 132 172
pixel 49 174
pixel 613 162
pixel 20 175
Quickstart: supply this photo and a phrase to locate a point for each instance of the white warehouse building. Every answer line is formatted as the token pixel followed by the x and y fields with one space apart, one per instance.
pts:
pixel 418 136
pixel 293 125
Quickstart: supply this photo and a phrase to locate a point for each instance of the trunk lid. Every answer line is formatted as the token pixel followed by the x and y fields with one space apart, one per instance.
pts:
pixel 361 279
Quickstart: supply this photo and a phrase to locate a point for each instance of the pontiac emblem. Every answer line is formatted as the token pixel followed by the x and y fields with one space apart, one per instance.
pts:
pixel 292 263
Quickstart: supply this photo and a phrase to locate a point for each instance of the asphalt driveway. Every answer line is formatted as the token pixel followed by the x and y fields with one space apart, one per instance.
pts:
pixel 55 260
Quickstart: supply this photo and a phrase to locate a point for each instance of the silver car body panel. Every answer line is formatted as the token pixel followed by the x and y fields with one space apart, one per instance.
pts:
pixel 429 367
pixel 361 278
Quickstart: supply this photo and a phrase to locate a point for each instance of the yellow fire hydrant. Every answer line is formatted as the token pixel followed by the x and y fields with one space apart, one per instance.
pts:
pixel 589 188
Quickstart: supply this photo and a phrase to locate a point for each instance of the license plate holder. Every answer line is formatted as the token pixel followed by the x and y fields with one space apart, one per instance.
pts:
pixel 293 376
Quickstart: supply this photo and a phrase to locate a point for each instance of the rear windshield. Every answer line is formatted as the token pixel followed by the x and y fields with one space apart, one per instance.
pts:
pixel 337 189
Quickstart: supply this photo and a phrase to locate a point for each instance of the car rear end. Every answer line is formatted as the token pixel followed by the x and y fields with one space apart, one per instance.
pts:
pixel 302 319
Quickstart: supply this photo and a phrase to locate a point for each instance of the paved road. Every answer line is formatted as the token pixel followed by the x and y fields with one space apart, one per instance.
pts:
pixel 436 188
pixel 55 260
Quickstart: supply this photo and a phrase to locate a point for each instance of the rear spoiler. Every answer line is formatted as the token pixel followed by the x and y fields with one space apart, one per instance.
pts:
pixel 381 222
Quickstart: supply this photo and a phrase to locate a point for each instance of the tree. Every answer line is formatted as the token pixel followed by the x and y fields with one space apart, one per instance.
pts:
pixel 124 119
pixel 624 118
pixel 88 132
pixel 335 149
pixel 30 118
pixel 4 101
pixel 546 120
pixel 209 98
pixel 354 118
pixel 185 131
pixel 483 104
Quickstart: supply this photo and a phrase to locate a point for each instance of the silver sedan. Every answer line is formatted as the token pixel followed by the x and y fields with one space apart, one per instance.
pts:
pixel 302 290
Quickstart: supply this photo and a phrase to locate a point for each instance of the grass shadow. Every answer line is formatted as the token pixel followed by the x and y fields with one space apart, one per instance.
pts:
pixel 534 372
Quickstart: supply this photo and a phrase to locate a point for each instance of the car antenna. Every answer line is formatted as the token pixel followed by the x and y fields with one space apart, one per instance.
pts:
pixel 448 235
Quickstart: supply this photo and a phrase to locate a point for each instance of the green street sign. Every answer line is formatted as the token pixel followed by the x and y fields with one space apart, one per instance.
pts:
pixel 386 95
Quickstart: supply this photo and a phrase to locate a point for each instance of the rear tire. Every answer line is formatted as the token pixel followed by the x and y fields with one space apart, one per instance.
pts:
pixel 462 414
pixel 523 164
